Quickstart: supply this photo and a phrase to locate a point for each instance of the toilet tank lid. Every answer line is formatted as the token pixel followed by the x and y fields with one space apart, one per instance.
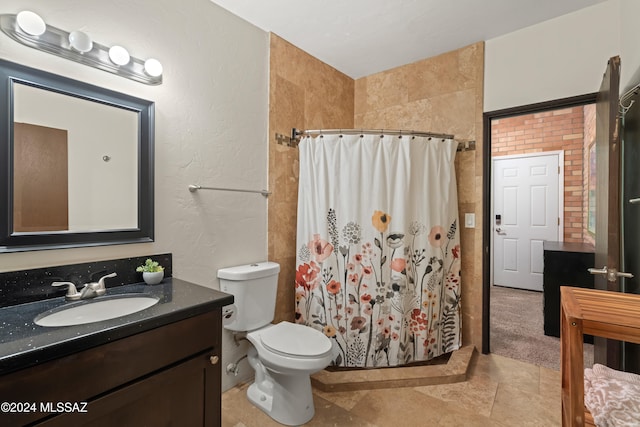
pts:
pixel 249 271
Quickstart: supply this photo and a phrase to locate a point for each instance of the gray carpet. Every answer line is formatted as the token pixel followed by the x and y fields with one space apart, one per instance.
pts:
pixel 517 329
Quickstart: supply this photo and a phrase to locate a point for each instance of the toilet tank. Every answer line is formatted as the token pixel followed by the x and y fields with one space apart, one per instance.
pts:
pixel 254 288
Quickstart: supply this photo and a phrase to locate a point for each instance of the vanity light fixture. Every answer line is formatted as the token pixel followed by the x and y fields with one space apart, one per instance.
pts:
pixel 80 41
pixel 31 23
pixel 153 67
pixel 30 30
pixel 119 55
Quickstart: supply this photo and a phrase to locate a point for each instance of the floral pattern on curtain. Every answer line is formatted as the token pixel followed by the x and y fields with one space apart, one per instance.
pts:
pixel 378 264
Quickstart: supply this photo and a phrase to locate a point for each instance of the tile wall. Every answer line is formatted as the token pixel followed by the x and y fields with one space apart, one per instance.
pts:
pixel 304 93
pixel 443 94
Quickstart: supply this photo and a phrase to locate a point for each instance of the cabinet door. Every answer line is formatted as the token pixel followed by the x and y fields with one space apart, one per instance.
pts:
pixel 178 396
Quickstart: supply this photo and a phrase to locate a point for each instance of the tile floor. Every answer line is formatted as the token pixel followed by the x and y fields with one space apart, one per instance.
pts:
pixel 499 392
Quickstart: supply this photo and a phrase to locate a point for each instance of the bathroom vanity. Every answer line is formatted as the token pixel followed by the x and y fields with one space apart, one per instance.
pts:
pixel 159 366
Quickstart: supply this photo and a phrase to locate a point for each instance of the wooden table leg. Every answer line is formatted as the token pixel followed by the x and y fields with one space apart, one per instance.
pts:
pixel 572 370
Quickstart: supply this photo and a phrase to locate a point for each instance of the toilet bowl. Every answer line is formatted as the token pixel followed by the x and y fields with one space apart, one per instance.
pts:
pixel 283 357
pixel 288 348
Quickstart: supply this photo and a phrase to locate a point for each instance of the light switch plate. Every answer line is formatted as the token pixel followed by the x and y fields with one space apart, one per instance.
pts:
pixel 470 220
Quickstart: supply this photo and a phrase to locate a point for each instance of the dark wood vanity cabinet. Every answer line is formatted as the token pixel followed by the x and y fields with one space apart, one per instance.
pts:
pixel 167 376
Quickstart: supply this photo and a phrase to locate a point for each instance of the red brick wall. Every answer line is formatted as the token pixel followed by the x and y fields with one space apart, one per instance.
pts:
pixel 550 131
pixel 589 139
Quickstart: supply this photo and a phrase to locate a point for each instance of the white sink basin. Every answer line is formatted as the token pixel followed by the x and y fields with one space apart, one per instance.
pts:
pixel 90 311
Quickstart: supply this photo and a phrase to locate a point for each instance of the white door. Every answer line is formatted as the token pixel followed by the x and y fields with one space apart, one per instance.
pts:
pixel 526 212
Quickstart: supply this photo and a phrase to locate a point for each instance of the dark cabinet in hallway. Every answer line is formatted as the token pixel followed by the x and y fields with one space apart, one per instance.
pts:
pixel 565 264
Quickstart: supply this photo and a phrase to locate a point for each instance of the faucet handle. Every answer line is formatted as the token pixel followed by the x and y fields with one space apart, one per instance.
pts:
pixel 72 292
pixel 101 280
pixel 96 288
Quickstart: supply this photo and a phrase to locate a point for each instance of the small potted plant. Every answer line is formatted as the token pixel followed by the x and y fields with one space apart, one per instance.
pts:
pixel 152 272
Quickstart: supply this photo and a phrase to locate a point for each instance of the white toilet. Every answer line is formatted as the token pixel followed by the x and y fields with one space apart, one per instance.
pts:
pixel 283 355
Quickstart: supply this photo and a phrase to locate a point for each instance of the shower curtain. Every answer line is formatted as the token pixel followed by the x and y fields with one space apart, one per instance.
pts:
pixel 378 260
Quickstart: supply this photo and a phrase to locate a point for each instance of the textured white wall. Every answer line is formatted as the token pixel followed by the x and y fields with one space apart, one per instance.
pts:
pixel 559 58
pixel 211 127
pixel 629 44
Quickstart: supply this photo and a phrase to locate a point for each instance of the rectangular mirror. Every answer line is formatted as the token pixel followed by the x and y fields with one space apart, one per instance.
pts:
pixel 79 163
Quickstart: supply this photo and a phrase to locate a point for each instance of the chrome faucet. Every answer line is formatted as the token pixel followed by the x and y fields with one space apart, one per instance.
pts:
pixel 90 290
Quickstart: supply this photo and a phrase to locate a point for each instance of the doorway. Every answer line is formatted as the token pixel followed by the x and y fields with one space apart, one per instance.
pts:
pixel 550 118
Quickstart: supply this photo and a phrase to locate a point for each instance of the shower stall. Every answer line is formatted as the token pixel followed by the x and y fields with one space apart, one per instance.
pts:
pixel 378 258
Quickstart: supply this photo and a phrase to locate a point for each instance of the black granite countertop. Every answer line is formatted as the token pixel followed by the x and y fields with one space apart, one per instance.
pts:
pixel 24 344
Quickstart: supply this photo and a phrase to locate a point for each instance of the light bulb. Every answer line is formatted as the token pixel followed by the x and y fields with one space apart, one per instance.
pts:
pixel 31 23
pixel 153 67
pixel 119 55
pixel 80 41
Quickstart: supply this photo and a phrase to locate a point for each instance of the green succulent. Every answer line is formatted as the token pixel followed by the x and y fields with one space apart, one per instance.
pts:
pixel 150 266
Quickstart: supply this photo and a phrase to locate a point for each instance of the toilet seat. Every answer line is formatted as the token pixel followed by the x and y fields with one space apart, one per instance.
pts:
pixel 294 340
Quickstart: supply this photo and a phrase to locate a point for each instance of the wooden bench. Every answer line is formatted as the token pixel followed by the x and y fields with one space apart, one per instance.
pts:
pixel 605 314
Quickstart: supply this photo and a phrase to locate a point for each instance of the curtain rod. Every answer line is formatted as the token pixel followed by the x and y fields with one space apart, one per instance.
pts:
pixel 297 133
pixel 294 139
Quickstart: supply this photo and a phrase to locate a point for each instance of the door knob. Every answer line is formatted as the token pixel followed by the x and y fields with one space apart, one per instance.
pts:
pixel 611 273
pixel 499 231
pixel 214 360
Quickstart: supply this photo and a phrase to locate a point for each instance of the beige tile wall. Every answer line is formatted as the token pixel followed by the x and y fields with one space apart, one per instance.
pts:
pixel 443 94
pixel 304 93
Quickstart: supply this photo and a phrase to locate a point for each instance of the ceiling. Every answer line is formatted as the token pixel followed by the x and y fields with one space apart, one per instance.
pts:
pixel 363 37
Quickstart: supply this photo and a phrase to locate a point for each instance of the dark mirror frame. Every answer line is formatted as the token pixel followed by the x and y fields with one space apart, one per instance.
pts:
pixel 11 73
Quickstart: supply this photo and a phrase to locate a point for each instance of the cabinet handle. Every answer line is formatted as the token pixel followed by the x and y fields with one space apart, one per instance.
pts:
pixel 214 360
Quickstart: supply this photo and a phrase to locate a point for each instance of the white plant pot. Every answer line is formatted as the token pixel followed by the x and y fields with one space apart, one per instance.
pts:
pixel 153 278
